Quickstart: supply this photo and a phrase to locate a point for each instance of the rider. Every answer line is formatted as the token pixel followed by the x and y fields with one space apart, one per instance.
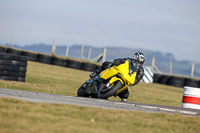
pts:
pixel 137 58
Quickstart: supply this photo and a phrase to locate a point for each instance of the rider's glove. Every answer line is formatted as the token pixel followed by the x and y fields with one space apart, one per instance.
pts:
pixel 93 74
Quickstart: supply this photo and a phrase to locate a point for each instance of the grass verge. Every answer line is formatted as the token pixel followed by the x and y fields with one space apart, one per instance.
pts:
pixel 21 117
pixel 65 81
pixel 26 117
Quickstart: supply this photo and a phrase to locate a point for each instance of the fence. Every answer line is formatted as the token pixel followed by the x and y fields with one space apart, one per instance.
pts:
pixel 100 57
pixel 154 67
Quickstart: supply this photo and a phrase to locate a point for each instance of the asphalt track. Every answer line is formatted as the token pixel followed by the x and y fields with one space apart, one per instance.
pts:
pixel 90 102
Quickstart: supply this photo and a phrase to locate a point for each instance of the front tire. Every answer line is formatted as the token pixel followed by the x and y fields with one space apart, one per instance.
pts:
pixel 82 92
pixel 111 92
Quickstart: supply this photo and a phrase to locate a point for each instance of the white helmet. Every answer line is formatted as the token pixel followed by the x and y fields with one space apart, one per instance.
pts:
pixel 139 57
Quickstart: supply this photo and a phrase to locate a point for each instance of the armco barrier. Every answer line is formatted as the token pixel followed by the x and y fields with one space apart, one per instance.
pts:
pixel 191 98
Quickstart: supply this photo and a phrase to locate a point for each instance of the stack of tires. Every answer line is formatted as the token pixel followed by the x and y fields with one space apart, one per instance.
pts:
pixel 14 51
pixel 59 61
pixel 176 81
pixel 13 67
pixel 89 66
pixel 2 50
pixel 32 56
pixel 43 58
pixel 192 82
pixel 86 66
pixel 49 59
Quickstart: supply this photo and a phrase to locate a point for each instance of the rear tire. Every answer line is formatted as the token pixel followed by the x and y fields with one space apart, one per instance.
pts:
pixel 111 92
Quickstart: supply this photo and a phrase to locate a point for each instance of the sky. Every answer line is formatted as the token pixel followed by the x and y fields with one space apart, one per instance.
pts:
pixel 169 26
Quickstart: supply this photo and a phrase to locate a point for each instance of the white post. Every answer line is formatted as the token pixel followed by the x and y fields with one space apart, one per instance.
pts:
pixel 104 55
pixel 152 64
pixel 192 70
pixel 157 69
pixel 67 51
pixel 82 50
pixel 89 53
pixel 170 67
pixel 11 39
pixel 95 58
pixel 53 48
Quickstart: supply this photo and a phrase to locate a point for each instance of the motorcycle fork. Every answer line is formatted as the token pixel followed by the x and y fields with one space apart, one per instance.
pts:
pixel 100 85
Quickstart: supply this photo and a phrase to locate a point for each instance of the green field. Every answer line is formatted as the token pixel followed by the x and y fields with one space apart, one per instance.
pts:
pixel 21 116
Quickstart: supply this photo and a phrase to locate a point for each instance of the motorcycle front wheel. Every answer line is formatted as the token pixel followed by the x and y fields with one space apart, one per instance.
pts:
pixel 81 92
pixel 111 91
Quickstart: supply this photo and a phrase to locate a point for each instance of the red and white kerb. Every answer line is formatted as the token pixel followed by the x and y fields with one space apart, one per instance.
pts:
pixel 191 98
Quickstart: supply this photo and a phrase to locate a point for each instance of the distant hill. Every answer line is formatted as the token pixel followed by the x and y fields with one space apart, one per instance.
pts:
pixel 161 59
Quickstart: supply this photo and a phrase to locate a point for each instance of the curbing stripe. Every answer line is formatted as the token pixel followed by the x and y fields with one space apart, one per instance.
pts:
pixel 189 99
pixel 148 75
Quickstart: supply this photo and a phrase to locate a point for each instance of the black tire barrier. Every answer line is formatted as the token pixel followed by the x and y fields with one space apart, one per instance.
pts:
pixel 59 61
pixel 31 56
pixel 199 85
pixel 44 58
pixel 14 51
pixel 13 67
pixel 2 50
pixel 74 64
pixel 11 57
pixel 12 78
pixel 13 74
pixel 176 81
pixel 191 82
pixel 88 67
pixel 48 59
pixel 163 79
pixel 156 77
pixel 13 63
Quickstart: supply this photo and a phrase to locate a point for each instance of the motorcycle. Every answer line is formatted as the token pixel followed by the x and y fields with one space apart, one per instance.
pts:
pixel 110 82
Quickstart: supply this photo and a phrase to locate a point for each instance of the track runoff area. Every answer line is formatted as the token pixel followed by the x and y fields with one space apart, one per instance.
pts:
pixel 90 102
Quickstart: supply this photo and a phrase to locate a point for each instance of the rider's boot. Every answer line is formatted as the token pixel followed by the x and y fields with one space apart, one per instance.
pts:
pixel 124 100
pixel 124 95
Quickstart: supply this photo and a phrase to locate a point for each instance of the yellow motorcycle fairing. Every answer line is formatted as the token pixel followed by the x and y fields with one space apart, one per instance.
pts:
pixel 123 72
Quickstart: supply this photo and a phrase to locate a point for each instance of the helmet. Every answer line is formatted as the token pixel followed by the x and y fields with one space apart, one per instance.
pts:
pixel 139 57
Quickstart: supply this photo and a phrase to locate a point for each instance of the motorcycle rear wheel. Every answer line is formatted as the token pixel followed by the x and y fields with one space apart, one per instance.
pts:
pixel 111 92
